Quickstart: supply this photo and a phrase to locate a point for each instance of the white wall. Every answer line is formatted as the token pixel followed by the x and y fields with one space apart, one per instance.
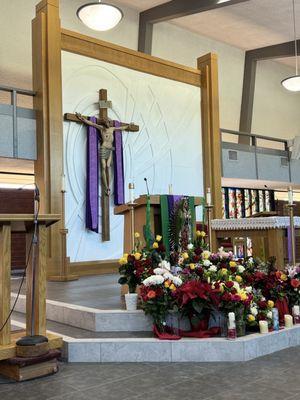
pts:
pixel 167 149
pixel 275 111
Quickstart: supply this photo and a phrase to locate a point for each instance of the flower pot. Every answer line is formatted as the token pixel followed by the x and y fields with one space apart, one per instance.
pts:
pixel 240 328
pixel 218 319
pixel 177 322
pixel 131 300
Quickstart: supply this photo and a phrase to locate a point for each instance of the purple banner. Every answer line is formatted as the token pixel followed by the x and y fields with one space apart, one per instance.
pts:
pixel 92 178
pixel 119 195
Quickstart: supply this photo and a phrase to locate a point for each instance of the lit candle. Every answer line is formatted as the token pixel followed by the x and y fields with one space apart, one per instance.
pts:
pixel 208 197
pixel 290 195
pixel 288 321
pixel 170 188
pixel 263 327
pixel 131 192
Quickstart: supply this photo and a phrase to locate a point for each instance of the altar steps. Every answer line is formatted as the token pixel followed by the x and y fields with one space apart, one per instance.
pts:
pixel 80 345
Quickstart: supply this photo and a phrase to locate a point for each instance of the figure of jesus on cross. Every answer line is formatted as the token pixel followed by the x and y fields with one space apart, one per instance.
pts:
pixel 106 148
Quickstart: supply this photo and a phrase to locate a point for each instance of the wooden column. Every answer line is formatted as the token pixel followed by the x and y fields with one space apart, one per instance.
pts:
pixel 40 283
pixel 275 248
pixel 47 82
pixel 211 140
pixel 5 269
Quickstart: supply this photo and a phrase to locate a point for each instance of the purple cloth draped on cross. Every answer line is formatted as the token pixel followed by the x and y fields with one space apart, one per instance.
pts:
pixel 92 178
pixel 119 195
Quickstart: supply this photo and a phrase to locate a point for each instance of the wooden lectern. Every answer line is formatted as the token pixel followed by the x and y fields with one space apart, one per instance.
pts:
pixel 140 217
pixel 24 223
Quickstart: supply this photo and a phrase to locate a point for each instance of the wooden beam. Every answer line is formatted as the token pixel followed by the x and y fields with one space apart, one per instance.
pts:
pixel 77 43
pixel 211 141
pixel 171 10
pixel 74 118
pixel 281 50
pixel 5 272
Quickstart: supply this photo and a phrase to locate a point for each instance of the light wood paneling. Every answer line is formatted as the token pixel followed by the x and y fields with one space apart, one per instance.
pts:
pixel 211 140
pixel 5 262
pixel 98 49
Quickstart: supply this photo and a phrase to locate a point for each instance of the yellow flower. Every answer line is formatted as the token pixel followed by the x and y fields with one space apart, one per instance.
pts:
pixel 192 266
pixel 155 245
pixel 158 238
pixel 239 279
pixel 224 271
pixel 270 303
pixel 198 233
pixel 202 234
pixel 137 256
pixel 185 256
pixel 251 318
pixel 172 286
pixel 123 261
pixel 232 264
pixel 167 284
pixel 136 235
pixel 243 296
pixel 283 277
pixel 206 254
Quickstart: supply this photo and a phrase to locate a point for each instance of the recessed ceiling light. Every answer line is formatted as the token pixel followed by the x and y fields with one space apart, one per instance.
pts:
pixel 100 16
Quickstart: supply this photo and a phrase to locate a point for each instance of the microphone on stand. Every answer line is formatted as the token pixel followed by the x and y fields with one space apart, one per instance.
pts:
pixel 146 180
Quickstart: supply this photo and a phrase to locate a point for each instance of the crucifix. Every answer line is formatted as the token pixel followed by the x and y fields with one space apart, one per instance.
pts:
pixel 106 128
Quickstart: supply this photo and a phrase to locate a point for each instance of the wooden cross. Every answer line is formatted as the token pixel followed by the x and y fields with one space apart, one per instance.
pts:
pixel 104 104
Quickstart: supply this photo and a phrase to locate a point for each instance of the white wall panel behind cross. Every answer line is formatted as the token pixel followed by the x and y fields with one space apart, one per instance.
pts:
pixel 166 150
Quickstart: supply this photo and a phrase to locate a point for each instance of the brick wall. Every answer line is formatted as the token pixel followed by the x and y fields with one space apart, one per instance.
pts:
pixel 14 201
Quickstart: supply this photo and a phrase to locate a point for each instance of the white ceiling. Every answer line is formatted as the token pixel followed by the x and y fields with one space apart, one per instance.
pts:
pixel 248 25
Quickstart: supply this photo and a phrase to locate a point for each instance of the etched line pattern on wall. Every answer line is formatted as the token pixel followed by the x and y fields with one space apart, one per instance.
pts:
pixel 166 150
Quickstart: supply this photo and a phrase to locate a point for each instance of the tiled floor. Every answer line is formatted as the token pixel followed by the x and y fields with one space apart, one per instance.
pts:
pixel 272 377
pixel 102 291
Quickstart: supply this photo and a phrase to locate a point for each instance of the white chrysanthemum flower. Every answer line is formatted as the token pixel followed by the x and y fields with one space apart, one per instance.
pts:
pixel 206 263
pixel 213 268
pixel 190 246
pixel 254 311
pixel 168 275
pixel 153 280
pixel 165 264
pixel 177 281
pixel 236 285
pixel 159 271
pixel 248 289
pixel 241 269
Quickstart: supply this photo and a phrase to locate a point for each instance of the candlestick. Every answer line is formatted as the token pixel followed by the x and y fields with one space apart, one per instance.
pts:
pixel 170 188
pixel 208 197
pixel 290 195
pixel 263 327
pixel 63 184
pixel 288 321
pixel 209 209
pixel 292 257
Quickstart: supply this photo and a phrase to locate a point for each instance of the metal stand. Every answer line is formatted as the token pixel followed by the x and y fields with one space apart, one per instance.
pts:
pixel 209 209
pixel 292 235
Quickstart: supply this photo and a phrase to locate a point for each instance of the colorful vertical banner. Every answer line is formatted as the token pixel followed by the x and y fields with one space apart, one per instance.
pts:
pixel 239 203
pixel 267 200
pixel 261 201
pixel 224 203
pixel 247 201
pixel 232 203
pixel 254 201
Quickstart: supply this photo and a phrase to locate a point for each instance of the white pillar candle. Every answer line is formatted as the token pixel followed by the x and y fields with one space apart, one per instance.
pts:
pixel 208 197
pixel 231 320
pixel 296 310
pixel 170 188
pixel 290 195
pixel 263 327
pixel 63 183
pixel 131 192
pixel 288 321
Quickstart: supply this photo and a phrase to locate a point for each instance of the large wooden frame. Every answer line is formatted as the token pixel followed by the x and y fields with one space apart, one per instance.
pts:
pixel 48 42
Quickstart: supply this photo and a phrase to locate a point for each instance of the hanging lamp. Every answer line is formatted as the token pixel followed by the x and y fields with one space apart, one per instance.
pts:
pixel 99 16
pixel 292 83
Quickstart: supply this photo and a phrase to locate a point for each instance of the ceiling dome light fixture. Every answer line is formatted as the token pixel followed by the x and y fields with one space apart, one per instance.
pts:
pixel 292 83
pixel 99 16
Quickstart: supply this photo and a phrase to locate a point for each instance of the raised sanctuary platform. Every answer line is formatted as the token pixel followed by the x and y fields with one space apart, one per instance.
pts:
pixel 116 335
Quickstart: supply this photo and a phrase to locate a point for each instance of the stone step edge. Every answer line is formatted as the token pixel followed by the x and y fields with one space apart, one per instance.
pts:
pixel 185 350
pixel 92 319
